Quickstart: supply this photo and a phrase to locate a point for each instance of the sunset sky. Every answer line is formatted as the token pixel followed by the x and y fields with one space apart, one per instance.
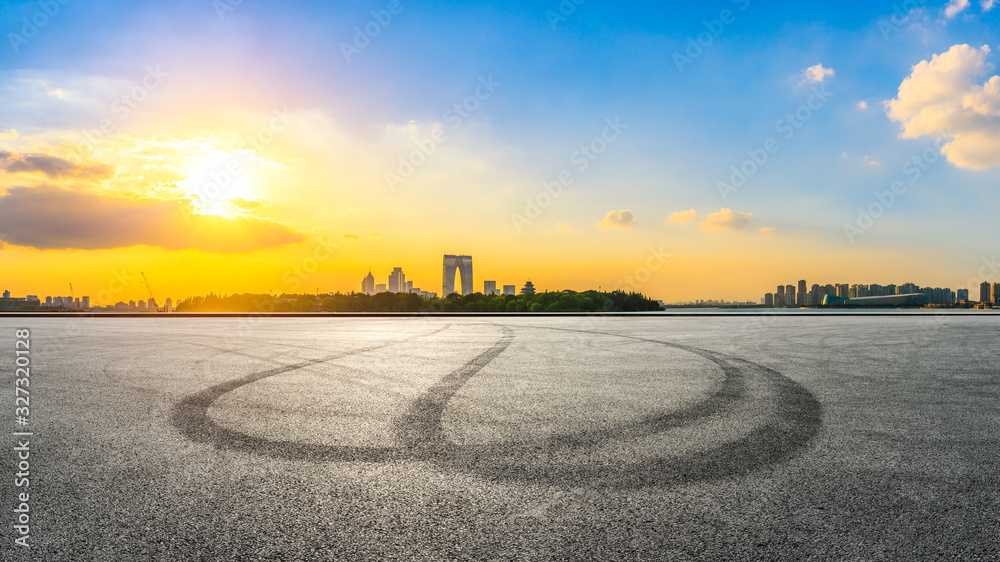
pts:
pixel 710 150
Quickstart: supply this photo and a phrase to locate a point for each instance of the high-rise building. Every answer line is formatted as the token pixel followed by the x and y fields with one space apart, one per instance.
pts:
pixel 962 295
pixel 6 294
pixel 368 284
pixel 380 288
pixel 85 302
pixel 995 294
pixel 489 287
pixel 397 281
pixel 48 301
pixel 842 290
pixel 510 289
pixel 768 299
pixel 461 264
pixel 169 306
pixel 409 287
pixel 790 295
pixel 779 296
pixel 802 286
pixel 151 303
pixel 142 305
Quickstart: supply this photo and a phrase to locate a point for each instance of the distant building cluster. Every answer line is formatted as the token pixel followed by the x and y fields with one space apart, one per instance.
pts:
pixel 873 295
pixel 82 304
pixel 397 284
pixel 453 265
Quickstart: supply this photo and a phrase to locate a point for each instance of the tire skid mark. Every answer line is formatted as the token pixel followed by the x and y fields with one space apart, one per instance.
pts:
pixel 190 416
pixel 788 430
pixel 420 428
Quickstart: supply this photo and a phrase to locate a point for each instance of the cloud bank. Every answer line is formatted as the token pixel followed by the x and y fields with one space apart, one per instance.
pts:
pixel 941 97
pixel 50 217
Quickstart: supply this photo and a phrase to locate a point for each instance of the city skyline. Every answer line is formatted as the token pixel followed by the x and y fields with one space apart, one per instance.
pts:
pixel 179 148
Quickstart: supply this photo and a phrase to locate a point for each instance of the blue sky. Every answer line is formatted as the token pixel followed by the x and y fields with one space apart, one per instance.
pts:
pixel 560 79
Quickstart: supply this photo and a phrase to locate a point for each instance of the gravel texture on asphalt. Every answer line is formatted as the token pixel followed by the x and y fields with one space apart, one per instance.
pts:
pixel 649 438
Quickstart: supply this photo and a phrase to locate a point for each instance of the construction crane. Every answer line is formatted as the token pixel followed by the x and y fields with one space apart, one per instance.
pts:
pixel 150 290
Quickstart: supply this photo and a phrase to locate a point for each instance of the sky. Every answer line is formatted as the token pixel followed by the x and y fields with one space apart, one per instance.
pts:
pixel 693 151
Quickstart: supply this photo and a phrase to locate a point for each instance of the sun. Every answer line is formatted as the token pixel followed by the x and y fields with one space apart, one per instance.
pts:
pixel 213 183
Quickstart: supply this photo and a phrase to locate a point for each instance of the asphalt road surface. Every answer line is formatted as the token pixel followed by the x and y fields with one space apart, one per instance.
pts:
pixel 499 438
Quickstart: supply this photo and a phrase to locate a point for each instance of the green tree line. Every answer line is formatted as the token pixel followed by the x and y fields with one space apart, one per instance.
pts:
pixel 556 301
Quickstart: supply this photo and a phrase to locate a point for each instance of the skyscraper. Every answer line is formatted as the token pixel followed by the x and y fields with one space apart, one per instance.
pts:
pixel 790 295
pixel 768 299
pixel 462 264
pixel 368 284
pixel 489 287
pixel 397 281
pixel 984 292
pixel 995 294
pixel 779 296
pixel 509 289
pixel 802 293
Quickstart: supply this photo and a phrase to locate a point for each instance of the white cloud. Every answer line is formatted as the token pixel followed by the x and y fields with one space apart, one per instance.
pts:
pixel 682 217
pixel 618 219
pixel 725 219
pixel 862 104
pixel 940 97
pixel 987 5
pixel 955 7
pixel 817 73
